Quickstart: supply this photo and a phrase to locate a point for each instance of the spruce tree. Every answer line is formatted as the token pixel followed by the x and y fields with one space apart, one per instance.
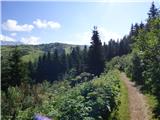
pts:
pixel 16 71
pixel 63 61
pixel 153 12
pixel 39 70
pixel 56 65
pixel 31 72
pixel 5 78
pixel 84 59
pixel 95 55
pixel 137 69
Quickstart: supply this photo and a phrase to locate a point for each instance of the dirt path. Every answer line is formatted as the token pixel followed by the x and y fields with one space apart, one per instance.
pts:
pixel 137 104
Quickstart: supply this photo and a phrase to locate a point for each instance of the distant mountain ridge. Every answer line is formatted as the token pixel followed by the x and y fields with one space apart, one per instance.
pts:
pixel 10 43
pixel 32 52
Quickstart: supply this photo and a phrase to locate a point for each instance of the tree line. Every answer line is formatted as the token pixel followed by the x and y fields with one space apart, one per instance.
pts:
pixel 142 65
pixel 146 53
pixel 52 66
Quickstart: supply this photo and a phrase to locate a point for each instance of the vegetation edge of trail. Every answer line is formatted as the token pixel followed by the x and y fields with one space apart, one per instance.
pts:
pixel 123 109
pixel 152 103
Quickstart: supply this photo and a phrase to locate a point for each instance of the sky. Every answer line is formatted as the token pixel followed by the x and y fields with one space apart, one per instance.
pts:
pixel 37 22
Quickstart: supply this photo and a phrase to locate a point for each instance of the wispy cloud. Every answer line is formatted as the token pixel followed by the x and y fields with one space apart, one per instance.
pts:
pixel 46 24
pixel 85 37
pixel 81 38
pixel 106 35
pixel 32 40
pixel 6 38
pixel 12 25
pixel 13 34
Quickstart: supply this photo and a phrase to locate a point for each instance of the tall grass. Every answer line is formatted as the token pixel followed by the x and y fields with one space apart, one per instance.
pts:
pixel 123 109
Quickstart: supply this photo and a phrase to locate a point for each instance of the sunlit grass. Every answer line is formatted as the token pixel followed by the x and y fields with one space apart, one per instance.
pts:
pixel 153 103
pixel 123 111
pixel 32 56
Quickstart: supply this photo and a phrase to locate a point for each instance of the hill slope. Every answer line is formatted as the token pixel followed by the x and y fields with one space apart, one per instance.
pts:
pixel 32 52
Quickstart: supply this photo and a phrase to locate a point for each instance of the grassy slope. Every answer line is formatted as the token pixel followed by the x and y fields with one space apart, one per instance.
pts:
pixel 31 52
pixel 32 56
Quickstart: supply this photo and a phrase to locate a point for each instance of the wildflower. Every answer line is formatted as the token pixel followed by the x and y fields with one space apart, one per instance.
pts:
pixel 40 117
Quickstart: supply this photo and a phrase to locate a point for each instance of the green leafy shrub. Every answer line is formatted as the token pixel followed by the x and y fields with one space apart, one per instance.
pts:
pixel 91 100
pixel 83 77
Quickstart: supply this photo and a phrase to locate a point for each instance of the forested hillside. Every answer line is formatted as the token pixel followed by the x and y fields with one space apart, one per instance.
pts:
pixel 70 82
pixel 32 52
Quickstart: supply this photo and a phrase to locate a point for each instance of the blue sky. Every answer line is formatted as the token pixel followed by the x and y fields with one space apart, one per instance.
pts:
pixel 69 22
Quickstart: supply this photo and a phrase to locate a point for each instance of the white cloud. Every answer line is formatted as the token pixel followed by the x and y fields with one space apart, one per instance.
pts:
pixel 106 35
pixel 46 24
pixel 81 38
pixel 13 34
pixel 6 38
pixel 32 40
pixel 85 37
pixel 12 25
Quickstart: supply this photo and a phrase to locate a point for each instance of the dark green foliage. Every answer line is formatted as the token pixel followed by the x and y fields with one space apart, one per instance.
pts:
pixel 148 51
pixel 75 58
pixel 55 66
pixel 14 71
pixel 19 99
pixel 31 72
pixel 83 77
pixel 15 68
pixel 48 67
pixel 112 49
pixel 153 12
pixel 145 64
pixel 84 59
pixel 117 48
pixel 92 100
pixel 64 62
pixel 95 55
pixel 137 69
pixel 58 81
pixel 121 63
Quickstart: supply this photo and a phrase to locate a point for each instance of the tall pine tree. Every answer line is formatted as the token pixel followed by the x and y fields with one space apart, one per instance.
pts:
pixel 13 70
pixel 95 55
pixel 153 12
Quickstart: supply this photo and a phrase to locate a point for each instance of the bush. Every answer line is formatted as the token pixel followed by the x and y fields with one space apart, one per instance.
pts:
pixel 91 100
pixel 83 77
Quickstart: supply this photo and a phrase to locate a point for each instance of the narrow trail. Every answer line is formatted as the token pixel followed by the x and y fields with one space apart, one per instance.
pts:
pixel 137 102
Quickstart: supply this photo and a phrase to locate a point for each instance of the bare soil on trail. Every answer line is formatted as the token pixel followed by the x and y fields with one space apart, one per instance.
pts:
pixel 138 108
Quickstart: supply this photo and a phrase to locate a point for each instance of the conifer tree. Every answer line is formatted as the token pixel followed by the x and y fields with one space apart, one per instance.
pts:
pixel 16 70
pixel 96 59
pixel 84 59
pixel 64 62
pixel 153 12
pixel 31 72
pixel 39 70
pixel 56 65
